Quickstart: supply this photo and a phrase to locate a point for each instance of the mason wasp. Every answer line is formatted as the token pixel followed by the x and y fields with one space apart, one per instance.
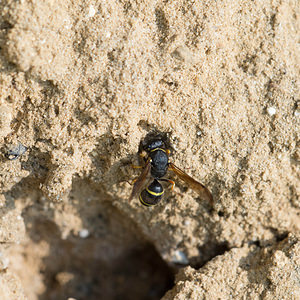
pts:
pixel 155 153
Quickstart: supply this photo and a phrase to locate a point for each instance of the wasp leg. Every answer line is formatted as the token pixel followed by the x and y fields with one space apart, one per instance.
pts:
pixel 136 166
pixel 142 155
pixel 170 181
pixel 173 184
pixel 133 181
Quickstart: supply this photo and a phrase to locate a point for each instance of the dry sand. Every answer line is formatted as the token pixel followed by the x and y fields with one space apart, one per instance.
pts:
pixel 83 82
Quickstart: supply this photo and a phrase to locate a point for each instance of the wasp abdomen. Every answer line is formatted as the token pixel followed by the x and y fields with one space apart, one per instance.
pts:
pixel 152 194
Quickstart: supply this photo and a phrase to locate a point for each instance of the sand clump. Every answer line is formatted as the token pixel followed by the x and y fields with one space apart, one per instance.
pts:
pixel 251 272
pixel 82 83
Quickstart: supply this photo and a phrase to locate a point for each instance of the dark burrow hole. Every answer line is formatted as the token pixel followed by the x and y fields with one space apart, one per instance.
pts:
pixel 94 267
pixel 221 213
pixel 113 262
pixel 138 274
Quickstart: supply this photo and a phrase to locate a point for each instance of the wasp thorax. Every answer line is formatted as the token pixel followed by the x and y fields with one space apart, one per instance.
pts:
pixel 159 162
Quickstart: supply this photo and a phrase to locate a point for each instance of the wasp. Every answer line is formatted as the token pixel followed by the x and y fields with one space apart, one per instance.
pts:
pixel 155 153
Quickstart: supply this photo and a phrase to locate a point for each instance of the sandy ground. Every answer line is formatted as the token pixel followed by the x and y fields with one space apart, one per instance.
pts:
pixel 83 82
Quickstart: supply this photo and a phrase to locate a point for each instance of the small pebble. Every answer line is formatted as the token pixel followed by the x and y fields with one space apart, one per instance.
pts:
pixel 180 258
pixel 271 111
pixel 84 233
pixel 91 11
pixel 16 151
pixel 187 222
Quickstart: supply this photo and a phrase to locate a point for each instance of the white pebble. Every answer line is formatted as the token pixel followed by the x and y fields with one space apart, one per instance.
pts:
pixel 84 233
pixel 187 222
pixel 180 258
pixel 271 111
pixel 297 113
pixel 91 11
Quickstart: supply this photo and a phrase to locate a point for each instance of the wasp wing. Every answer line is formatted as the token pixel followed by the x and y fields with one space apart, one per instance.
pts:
pixel 138 184
pixel 204 193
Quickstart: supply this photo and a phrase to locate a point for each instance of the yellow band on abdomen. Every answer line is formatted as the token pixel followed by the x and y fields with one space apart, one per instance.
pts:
pixel 143 202
pixel 153 193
